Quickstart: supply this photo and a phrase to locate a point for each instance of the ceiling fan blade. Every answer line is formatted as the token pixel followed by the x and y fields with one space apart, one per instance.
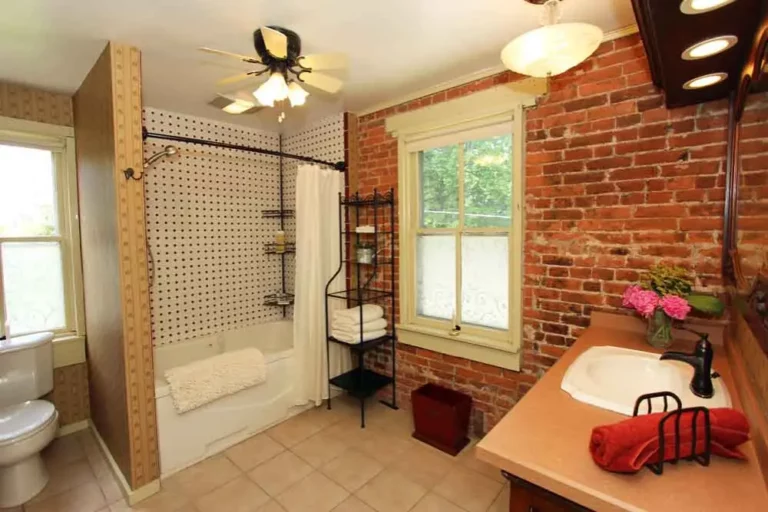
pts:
pixel 234 79
pixel 323 82
pixel 325 61
pixel 245 58
pixel 276 42
pixel 244 99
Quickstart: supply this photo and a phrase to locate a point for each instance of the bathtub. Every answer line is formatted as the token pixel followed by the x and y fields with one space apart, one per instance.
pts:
pixel 194 435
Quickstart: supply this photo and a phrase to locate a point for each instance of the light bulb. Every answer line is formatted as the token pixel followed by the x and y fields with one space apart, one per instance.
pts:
pixel 296 94
pixel 263 96
pixel 274 89
pixel 551 49
pixel 705 81
pixel 709 47
pixel 702 6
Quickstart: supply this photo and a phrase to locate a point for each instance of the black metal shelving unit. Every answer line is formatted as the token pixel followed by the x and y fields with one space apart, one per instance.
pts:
pixel 370 285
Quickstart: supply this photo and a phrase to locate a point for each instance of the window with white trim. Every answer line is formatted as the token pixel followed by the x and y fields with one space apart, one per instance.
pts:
pixel 460 186
pixel 460 236
pixel 40 269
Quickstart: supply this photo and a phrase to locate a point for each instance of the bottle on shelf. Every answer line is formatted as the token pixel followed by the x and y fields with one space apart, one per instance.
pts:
pixel 279 242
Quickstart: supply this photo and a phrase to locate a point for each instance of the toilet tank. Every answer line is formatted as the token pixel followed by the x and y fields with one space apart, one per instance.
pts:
pixel 26 368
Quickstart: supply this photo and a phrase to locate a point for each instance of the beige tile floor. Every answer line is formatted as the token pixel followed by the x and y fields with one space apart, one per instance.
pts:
pixel 318 461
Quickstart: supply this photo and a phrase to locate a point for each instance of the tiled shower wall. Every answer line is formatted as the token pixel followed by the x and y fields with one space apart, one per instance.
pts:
pixel 324 140
pixel 205 229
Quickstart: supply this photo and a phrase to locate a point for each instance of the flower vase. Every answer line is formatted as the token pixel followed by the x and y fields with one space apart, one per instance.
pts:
pixel 659 332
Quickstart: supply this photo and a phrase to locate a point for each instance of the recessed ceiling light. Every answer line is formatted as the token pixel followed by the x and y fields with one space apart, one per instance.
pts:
pixel 709 47
pixel 705 81
pixel 701 6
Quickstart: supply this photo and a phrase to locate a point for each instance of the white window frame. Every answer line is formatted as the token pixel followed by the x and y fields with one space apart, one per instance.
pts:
pixel 60 140
pixel 439 125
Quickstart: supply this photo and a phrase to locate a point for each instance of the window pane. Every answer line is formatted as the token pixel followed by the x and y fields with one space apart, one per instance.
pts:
pixel 436 276
pixel 488 182
pixel 28 192
pixel 34 286
pixel 485 281
pixel 439 177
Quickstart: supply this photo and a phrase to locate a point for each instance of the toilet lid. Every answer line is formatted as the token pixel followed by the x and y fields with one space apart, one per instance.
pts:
pixel 20 420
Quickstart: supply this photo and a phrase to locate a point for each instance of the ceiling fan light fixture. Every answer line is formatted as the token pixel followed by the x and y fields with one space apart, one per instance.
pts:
pixel 702 6
pixel 705 81
pixel 709 47
pixel 238 107
pixel 296 94
pixel 274 89
pixel 552 49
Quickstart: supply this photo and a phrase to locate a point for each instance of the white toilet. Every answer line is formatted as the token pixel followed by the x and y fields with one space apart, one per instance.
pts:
pixel 27 425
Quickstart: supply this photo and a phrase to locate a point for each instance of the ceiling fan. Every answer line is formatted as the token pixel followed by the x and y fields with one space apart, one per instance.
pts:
pixel 286 69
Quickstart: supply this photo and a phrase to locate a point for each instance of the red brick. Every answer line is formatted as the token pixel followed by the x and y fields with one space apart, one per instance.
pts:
pixel 612 84
pixel 609 163
pixel 585 103
pixel 612 110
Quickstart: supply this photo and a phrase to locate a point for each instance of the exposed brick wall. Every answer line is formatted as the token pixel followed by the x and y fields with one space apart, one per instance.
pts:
pixel 615 183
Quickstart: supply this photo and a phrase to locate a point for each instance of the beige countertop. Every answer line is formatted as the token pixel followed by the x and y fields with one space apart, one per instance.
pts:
pixel 544 439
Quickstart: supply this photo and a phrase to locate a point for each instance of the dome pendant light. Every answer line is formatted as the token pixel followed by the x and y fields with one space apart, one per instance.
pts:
pixel 553 48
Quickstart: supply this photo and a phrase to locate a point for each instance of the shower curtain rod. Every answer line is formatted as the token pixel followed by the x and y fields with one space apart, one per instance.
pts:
pixel 339 166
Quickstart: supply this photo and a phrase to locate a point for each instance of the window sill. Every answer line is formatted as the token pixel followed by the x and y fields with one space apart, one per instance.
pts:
pixel 68 349
pixel 490 352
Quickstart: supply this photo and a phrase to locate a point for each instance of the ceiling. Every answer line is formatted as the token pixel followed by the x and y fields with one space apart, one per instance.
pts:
pixel 395 47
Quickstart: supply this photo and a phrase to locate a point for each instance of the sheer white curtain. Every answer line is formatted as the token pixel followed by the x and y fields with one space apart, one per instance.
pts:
pixel 317 258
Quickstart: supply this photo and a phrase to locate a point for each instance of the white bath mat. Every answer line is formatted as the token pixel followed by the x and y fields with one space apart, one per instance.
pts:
pixel 201 382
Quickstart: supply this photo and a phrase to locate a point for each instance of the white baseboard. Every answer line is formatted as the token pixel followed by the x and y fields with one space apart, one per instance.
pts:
pixel 132 496
pixel 65 430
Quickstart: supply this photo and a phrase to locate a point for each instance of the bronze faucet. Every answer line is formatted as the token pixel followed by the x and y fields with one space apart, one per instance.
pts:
pixel 701 360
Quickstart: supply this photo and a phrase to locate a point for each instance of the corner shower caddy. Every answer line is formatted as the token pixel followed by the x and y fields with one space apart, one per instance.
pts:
pixel 378 210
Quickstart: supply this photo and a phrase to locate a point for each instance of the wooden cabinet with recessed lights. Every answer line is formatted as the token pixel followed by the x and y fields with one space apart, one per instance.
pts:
pixel 527 497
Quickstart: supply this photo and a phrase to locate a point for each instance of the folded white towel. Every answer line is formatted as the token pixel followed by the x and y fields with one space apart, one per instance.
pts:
pixel 353 339
pixel 201 382
pixel 342 324
pixel 370 312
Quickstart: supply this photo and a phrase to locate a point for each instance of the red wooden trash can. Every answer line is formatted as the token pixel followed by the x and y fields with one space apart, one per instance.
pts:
pixel 441 417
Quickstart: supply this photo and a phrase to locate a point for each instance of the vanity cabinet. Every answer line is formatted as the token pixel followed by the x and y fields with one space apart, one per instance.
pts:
pixel 527 497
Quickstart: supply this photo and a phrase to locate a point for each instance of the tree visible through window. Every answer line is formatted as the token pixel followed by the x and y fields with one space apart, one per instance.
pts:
pixel 487 183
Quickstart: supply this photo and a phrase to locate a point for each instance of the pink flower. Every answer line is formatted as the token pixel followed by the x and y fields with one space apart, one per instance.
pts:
pixel 644 302
pixel 629 293
pixel 675 307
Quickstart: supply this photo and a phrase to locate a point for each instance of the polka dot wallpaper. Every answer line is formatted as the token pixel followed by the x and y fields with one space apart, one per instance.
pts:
pixel 205 229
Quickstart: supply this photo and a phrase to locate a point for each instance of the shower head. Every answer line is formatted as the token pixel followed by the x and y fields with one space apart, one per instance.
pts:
pixel 167 151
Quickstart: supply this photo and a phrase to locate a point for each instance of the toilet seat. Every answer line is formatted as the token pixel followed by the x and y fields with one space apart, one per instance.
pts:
pixel 23 420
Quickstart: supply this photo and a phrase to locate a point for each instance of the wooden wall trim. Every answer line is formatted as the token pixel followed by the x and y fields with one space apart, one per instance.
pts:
pixel 729 264
pixel 139 370
pixel 749 368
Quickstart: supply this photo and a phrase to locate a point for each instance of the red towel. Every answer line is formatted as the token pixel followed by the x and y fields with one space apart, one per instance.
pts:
pixel 626 447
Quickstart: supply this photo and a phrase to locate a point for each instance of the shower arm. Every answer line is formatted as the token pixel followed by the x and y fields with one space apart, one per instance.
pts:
pixel 166 151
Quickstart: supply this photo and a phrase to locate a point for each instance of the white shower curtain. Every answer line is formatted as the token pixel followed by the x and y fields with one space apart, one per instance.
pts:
pixel 317 259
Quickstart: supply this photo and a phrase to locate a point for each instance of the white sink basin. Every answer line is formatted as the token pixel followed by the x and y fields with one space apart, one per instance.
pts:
pixel 612 378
